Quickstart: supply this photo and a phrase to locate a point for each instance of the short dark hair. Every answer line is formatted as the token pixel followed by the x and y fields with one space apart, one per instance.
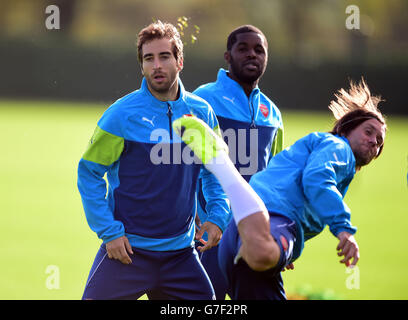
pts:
pixel 351 108
pixel 232 38
pixel 160 30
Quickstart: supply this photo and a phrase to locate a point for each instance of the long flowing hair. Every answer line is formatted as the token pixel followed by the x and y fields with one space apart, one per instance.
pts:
pixel 354 106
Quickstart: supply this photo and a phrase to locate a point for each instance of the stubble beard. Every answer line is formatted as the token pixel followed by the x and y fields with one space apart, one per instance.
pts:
pixel 163 88
pixel 241 76
pixel 362 159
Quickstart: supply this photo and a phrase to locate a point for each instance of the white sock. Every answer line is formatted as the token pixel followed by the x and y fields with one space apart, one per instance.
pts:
pixel 244 200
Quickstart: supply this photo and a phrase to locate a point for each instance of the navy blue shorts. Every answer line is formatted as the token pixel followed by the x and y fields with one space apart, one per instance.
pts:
pixel 168 275
pixel 247 284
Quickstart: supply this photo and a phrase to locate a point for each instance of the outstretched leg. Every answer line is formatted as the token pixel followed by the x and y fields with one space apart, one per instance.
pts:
pixel 259 249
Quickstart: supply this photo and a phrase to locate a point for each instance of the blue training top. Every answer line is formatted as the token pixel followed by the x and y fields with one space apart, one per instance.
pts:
pixel 152 174
pixel 240 117
pixel 307 183
pixel 252 127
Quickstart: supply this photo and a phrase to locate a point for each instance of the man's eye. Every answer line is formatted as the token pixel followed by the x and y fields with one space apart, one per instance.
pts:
pixel 259 50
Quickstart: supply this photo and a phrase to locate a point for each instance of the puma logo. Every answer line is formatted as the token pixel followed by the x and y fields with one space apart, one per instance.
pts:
pixel 148 120
pixel 229 99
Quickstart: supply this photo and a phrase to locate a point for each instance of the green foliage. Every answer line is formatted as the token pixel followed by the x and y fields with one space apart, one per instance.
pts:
pixel 182 26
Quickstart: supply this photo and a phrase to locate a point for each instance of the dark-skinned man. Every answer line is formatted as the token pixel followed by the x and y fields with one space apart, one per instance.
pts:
pixel 251 124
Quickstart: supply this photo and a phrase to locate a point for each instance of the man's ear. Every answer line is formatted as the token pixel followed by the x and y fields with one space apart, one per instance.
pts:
pixel 227 57
pixel 180 64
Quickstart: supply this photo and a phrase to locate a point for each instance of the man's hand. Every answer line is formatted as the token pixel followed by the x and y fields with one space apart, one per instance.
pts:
pixel 348 248
pixel 214 235
pixel 118 249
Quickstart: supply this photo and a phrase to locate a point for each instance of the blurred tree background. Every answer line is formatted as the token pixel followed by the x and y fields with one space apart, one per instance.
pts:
pixel 311 52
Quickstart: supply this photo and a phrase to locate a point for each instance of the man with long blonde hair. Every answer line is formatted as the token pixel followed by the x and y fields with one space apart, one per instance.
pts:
pixel 295 197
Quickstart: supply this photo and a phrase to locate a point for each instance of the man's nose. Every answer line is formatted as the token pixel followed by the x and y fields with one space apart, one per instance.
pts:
pixel 157 64
pixel 251 53
pixel 372 140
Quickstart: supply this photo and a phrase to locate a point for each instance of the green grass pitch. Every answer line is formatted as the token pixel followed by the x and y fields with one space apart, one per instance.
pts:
pixel 47 247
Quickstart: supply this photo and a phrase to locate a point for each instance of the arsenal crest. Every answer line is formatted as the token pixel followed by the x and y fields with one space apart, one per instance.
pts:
pixel 264 110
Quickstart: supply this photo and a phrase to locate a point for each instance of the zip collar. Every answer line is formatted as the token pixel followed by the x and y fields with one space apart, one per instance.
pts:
pixel 352 153
pixel 343 138
pixel 167 106
pixel 229 83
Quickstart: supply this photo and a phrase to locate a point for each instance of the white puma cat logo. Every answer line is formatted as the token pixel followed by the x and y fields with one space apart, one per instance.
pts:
pixel 148 120
pixel 229 99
